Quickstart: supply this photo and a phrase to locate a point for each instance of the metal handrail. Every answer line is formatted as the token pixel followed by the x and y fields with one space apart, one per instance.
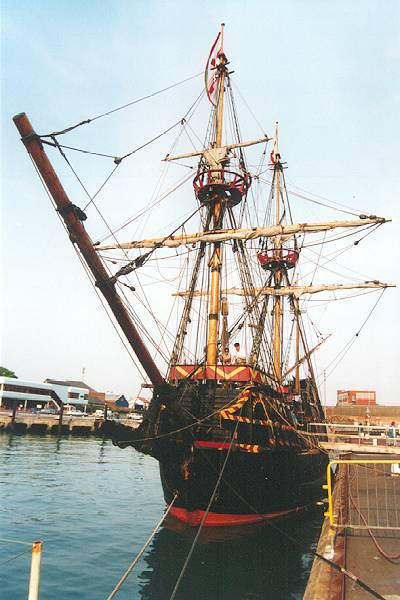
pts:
pixel 329 487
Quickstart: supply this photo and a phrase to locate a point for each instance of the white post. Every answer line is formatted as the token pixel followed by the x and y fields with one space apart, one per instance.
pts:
pixel 34 578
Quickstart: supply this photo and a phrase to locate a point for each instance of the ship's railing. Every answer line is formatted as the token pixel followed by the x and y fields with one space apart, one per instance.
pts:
pixel 209 181
pixel 366 496
pixel 226 373
pixel 278 258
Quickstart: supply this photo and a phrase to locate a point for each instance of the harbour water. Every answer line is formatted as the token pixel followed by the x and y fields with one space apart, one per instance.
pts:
pixel 94 505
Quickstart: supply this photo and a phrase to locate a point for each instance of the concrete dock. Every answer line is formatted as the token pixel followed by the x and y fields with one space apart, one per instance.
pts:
pixel 37 423
pixel 361 532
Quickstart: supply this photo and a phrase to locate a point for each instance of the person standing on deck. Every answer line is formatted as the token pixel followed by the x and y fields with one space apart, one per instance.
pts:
pixel 239 357
pixel 225 356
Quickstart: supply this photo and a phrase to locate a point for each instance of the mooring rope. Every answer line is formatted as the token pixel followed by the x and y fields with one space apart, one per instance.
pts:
pixel 141 552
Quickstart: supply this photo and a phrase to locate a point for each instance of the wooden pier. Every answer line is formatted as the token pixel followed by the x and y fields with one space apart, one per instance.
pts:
pixel 361 531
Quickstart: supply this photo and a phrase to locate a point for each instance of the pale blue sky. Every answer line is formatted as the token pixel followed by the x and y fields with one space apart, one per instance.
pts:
pixel 328 71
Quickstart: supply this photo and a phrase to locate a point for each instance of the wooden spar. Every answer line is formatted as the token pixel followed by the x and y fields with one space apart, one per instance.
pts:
pixel 277 309
pixel 223 235
pixel 292 290
pixel 80 237
pixel 228 148
pixel 217 212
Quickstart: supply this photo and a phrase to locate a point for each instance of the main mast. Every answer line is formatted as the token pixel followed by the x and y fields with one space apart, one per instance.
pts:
pixel 217 212
pixel 277 311
pixel 217 186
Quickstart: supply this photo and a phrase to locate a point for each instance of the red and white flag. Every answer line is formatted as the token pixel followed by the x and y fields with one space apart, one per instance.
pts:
pixel 274 155
pixel 211 72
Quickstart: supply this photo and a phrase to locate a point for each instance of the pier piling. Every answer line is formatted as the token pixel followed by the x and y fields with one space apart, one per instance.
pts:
pixel 14 412
pixel 34 577
pixel 60 419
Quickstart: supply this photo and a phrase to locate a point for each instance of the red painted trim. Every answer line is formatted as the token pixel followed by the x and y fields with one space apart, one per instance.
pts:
pixel 246 374
pixel 218 445
pixel 193 518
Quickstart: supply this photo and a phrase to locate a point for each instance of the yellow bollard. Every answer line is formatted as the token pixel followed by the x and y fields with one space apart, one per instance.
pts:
pixel 34 577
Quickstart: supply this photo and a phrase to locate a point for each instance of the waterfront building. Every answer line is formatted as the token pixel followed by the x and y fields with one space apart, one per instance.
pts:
pixel 93 398
pixel 37 395
pixel 356 397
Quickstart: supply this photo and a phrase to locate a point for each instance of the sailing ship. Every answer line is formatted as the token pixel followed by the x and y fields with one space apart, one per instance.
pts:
pixel 228 420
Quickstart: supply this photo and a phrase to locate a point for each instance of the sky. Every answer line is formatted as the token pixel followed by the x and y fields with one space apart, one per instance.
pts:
pixel 327 71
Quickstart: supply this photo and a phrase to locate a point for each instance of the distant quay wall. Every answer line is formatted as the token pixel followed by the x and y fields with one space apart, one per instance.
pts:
pixel 376 412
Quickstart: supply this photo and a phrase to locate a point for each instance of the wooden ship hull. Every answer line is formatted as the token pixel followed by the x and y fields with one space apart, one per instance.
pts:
pixel 259 483
pixel 272 469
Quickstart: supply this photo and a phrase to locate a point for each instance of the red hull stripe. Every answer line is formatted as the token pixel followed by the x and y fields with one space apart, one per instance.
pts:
pixel 219 445
pixel 194 517
pixel 226 445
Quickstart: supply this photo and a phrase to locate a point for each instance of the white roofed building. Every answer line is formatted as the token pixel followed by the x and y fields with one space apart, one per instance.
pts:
pixel 37 395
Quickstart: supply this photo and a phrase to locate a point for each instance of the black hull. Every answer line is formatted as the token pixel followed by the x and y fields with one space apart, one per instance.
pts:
pixel 254 487
pixel 272 469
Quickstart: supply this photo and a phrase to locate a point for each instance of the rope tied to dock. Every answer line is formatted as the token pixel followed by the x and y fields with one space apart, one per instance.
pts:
pixel 141 551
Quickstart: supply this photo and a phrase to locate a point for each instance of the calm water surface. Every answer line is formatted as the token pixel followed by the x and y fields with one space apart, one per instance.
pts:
pixel 95 505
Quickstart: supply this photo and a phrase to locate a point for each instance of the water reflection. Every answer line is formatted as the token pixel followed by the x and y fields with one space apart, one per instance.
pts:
pixel 102 450
pixel 241 563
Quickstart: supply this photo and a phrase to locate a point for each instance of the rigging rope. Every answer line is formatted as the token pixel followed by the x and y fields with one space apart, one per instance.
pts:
pixel 109 112
pixel 141 552
pixel 86 269
pixel 91 200
pixel 349 344
pixel 15 556
pixel 140 261
pixel 354 212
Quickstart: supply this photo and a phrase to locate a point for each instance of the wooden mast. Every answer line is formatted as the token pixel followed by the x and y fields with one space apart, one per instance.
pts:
pixel 277 310
pixel 79 236
pixel 216 209
pixel 297 323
